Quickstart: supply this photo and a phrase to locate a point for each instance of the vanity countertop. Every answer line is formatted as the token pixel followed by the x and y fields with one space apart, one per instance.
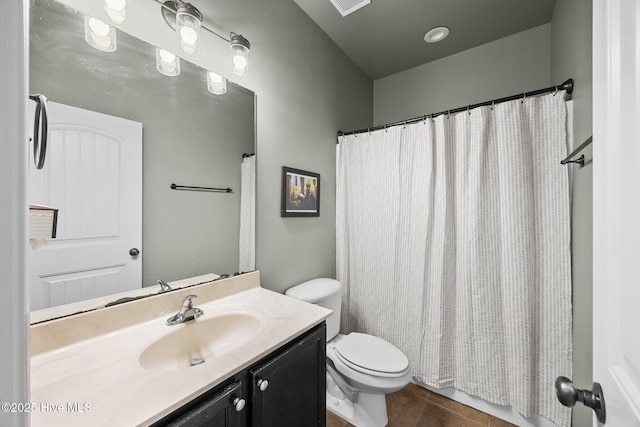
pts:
pixel 80 379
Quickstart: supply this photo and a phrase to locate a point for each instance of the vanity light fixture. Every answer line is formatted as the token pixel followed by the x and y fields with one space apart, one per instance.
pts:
pixel 436 34
pixel 216 83
pixel 239 47
pixel 186 20
pixel 113 11
pixel 99 34
pixel 167 63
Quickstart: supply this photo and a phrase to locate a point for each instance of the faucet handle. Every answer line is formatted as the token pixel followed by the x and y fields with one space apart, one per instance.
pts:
pixel 187 302
pixel 164 286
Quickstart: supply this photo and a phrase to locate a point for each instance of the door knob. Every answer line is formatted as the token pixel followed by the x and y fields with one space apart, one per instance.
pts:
pixel 134 252
pixel 568 395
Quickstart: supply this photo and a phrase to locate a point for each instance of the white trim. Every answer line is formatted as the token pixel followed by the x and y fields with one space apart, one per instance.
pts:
pixel 628 388
pixel 616 204
pixel 14 331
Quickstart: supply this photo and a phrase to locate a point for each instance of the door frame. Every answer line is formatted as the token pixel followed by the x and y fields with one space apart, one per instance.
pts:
pixel 14 304
pixel 615 205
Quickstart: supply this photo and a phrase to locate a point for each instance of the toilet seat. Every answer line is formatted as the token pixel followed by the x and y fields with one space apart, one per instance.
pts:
pixel 371 355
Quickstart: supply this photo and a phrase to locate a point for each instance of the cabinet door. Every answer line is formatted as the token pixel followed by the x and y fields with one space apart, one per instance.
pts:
pixel 224 409
pixel 289 389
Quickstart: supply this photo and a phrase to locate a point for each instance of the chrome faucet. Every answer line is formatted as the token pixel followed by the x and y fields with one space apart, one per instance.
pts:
pixel 186 313
pixel 164 286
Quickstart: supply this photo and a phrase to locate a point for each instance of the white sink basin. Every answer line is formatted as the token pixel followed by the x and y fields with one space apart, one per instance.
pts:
pixel 199 341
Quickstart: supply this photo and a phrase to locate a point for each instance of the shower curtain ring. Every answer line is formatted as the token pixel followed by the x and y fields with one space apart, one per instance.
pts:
pixel 468 109
pixel 448 114
pixel 493 103
pixel 556 91
pixel 385 128
pixel 524 96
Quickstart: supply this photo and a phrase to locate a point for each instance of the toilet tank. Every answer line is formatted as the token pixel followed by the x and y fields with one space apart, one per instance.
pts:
pixel 325 293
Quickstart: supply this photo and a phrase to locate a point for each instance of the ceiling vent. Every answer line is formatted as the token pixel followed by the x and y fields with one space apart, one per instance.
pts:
pixel 346 7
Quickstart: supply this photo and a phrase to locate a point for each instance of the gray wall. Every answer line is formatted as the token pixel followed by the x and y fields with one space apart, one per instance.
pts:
pixel 190 137
pixel 306 90
pixel 514 64
pixel 571 56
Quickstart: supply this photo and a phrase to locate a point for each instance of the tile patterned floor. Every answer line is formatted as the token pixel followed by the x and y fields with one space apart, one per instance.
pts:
pixel 417 407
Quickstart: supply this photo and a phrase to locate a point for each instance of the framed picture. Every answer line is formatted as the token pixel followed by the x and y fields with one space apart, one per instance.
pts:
pixel 300 193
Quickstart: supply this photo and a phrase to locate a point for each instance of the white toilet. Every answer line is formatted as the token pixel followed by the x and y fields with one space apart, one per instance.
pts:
pixel 361 368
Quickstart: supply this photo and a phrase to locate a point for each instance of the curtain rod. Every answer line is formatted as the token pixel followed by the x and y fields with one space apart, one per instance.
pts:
pixel 567 85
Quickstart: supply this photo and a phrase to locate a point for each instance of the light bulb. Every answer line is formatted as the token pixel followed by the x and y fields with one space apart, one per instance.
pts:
pixel 215 78
pixel 167 56
pixel 99 34
pixel 239 62
pixel 116 5
pixel 98 27
pixel 188 35
pixel 167 63
pixel 216 83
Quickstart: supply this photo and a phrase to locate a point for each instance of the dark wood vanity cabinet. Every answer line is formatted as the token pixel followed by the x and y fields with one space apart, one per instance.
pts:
pixel 284 389
pixel 288 389
pixel 225 409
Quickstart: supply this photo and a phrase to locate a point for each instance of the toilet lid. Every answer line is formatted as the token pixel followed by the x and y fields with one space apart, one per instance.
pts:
pixel 365 353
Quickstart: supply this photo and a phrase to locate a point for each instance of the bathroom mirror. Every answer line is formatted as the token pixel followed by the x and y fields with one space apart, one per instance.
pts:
pixel 190 137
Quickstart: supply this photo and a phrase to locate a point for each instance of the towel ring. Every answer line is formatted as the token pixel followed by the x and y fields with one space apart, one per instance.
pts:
pixel 40 130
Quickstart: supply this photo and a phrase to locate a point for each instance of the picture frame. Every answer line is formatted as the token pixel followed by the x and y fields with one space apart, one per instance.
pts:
pixel 300 193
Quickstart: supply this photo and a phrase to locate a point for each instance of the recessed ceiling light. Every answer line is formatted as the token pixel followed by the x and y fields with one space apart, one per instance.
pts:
pixel 436 34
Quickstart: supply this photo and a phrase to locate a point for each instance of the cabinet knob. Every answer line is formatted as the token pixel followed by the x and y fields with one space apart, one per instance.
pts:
pixel 239 404
pixel 263 384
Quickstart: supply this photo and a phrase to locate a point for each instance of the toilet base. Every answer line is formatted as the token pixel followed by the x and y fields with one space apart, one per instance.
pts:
pixel 369 410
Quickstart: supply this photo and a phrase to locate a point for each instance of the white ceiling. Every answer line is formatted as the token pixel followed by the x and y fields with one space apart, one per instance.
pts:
pixel 387 36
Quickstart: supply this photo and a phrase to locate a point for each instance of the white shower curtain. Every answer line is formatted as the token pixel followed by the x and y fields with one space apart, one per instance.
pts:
pixel 248 214
pixel 453 243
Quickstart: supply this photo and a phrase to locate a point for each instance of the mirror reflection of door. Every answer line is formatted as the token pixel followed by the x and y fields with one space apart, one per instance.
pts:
pixel 93 176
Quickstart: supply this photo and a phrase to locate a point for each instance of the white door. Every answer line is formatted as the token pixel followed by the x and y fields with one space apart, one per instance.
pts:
pixel 93 175
pixel 616 186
